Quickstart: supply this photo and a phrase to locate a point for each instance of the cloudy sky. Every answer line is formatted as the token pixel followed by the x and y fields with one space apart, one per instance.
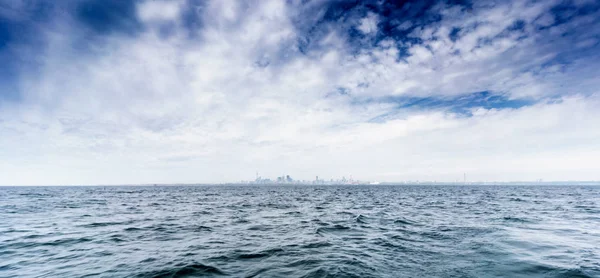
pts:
pixel 125 92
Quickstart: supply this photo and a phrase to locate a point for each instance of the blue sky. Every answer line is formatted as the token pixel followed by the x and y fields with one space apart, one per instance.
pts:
pixel 114 92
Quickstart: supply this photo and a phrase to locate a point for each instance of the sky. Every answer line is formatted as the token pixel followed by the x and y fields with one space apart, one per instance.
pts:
pixel 190 91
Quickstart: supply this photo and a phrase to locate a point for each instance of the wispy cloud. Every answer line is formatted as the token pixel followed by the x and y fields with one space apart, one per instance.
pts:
pixel 187 91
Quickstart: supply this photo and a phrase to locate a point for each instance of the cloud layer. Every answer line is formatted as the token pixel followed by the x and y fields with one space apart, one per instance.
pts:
pixel 113 92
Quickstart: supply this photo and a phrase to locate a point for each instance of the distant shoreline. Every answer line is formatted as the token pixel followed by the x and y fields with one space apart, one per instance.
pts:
pixel 515 183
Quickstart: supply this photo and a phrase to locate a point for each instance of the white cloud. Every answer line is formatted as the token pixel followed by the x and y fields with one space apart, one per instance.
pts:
pixel 368 24
pixel 241 98
pixel 159 10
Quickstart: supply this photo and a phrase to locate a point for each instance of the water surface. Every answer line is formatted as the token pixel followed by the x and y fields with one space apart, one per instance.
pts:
pixel 300 231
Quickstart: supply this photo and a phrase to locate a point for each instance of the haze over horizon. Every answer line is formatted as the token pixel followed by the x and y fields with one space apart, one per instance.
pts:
pixel 190 91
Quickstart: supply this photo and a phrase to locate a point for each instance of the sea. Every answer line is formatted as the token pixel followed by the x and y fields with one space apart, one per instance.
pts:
pixel 300 231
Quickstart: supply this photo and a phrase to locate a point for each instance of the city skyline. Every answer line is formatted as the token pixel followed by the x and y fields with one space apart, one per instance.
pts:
pixel 287 179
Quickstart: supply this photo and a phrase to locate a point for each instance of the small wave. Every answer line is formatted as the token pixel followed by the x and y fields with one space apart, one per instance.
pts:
pixel 148 260
pixel 116 238
pixel 334 228
pixel 550 271
pixel 184 271
pixel 7 252
pixel 316 245
pixel 258 255
pixel 434 235
pixel 276 206
pixel 515 219
pixel 67 241
pixel 102 254
pixel 361 219
pixel 404 222
pixel 575 273
pixel 204 212
pixel 320 272
pixel 386 243
pixel 241 221
pixel 34 194
pixel 12 230
pixel 344 271
pixel 202 229
pixel 127 192
pixel 303 263
pixel 165 227
pixel 102 224
pixel 404 238
pixel 58 242
pixel 319 222
pixel 260 228
pixel 444 229
pixel 35 236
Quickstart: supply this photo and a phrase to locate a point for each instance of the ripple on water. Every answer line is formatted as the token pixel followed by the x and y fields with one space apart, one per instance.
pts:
pixel 334 229
pixel 361 219
pixel 260 254
pixel 321 244
pixel 300 231
pixel 404 221
pixel 190 270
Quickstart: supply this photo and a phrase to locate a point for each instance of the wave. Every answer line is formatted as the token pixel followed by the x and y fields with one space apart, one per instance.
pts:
pixel 261 254
pixel 361 219
pixel 404 221
pixel 104 224
pixel 184 271
pixel 332 229
pixel 58 242
pixel 515 219
pixel 536 270
pixel 316 245
pixel 260 228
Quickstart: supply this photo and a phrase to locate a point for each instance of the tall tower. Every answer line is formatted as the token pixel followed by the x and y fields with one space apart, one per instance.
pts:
pixel 465 177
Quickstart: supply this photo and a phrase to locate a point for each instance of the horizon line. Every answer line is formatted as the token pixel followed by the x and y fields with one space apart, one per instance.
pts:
pixel 516 182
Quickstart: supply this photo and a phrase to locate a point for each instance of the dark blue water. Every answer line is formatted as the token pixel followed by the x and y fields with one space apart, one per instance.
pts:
pixel 300 231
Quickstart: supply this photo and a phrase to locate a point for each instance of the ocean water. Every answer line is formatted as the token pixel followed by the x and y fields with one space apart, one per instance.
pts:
pixel 300 231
